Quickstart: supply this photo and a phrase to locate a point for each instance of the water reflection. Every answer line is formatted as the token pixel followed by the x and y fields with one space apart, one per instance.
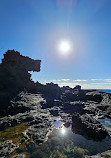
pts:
pixel 62 142
pixel 106 123
pixel 63 131
pixel 92 146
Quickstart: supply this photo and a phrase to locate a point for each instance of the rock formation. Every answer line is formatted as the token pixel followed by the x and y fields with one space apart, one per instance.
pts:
pixel 15 76
pixel 36 113
pixel 88 127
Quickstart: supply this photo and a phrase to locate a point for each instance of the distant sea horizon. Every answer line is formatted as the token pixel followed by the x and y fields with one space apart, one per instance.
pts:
pixel 105 90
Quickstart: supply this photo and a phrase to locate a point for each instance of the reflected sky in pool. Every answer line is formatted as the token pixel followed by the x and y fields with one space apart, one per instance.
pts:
pixel 106 123
pixel 63 141
pixel 92 146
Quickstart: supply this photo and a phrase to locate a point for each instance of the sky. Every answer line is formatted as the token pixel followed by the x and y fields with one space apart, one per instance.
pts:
pixel 35 28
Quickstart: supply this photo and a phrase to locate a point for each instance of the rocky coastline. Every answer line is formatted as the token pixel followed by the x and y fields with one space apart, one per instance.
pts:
pixel 35 107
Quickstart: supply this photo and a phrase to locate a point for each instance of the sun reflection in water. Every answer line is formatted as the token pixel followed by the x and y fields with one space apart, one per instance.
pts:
pixel 63 131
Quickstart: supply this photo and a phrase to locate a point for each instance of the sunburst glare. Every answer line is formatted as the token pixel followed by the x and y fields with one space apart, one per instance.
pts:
pixel 63 131
pixel 65 47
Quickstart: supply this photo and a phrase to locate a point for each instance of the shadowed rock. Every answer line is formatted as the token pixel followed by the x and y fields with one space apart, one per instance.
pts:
pixel 14 76
pixel 14 61
pixel 88 127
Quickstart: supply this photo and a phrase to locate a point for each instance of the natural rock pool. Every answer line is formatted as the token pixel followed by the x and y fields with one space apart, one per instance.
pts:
pixel 106 123
pixel 63 143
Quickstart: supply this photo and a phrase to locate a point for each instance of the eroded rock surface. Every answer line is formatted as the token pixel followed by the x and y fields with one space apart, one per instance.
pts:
pixel 15 77
pixel 91 128
pixel 6 148
pixel 106 154
pixel 39 106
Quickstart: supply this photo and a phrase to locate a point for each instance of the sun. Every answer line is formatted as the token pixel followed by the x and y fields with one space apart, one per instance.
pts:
pixel 64 47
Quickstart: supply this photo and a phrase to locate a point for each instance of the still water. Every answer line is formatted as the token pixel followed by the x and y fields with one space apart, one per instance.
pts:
pixel 63 143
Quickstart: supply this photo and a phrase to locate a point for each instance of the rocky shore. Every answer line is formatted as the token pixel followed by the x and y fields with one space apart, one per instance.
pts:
pixel 32 108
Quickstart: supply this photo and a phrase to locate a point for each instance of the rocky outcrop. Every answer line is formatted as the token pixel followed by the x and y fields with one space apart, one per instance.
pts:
pixel 72 107
pixel 88 127
pixel 94 96
pixel 34 110
pixel 6 148
pixel 39 106
pixel 15 76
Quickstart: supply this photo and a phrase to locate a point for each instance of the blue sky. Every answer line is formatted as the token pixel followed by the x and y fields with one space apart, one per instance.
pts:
pixel 34 27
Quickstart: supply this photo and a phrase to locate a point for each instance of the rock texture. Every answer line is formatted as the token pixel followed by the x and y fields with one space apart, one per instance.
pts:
pixel 6 148
pixel 39 106
pixel 14 76
pixel 106 154
pixel 88 127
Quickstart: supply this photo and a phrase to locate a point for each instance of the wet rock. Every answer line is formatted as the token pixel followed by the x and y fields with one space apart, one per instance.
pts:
pixel 55 111
pixel 7 148
pixel 106 154
pixel 94 96
pixel 72 107
pixel 88 127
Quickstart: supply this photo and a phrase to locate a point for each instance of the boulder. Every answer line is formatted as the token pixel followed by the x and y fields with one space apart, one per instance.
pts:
pixel 72 107
pixel 88 127
pixel 94 96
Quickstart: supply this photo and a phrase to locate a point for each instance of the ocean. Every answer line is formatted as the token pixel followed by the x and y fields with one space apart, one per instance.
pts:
pixel 105 90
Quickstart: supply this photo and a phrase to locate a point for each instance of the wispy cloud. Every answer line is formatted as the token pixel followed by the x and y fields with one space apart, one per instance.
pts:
pixel 108 80
pixel 79 80
pixel 103 83
pixel 65 80
pixel 59 80
pixel 104 80
pixel 85 83
pixel 97 79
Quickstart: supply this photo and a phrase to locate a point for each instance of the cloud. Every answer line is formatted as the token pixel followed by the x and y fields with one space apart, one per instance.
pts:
pixel 108 80
pixel 79 80
pixel 97 79
pixel 60 80
pixel 103 83
pixel 86 84
pixel 104 80
pixel 65 79
pixel 70 84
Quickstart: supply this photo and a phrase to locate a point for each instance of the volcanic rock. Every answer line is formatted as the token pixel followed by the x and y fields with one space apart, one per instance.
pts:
pixel 88 127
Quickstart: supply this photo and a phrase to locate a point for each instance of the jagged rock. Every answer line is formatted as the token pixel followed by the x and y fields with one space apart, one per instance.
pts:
pixel 72 107
pixel 106 154
pixel 6 148
pixel 19 156
pixel 75 94
pixel 88 127
pixel 22 100
pixel 14 77
pixel 52 90
pixel 94 96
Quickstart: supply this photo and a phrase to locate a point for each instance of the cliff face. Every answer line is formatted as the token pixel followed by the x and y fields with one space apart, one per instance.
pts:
pixel 14 75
